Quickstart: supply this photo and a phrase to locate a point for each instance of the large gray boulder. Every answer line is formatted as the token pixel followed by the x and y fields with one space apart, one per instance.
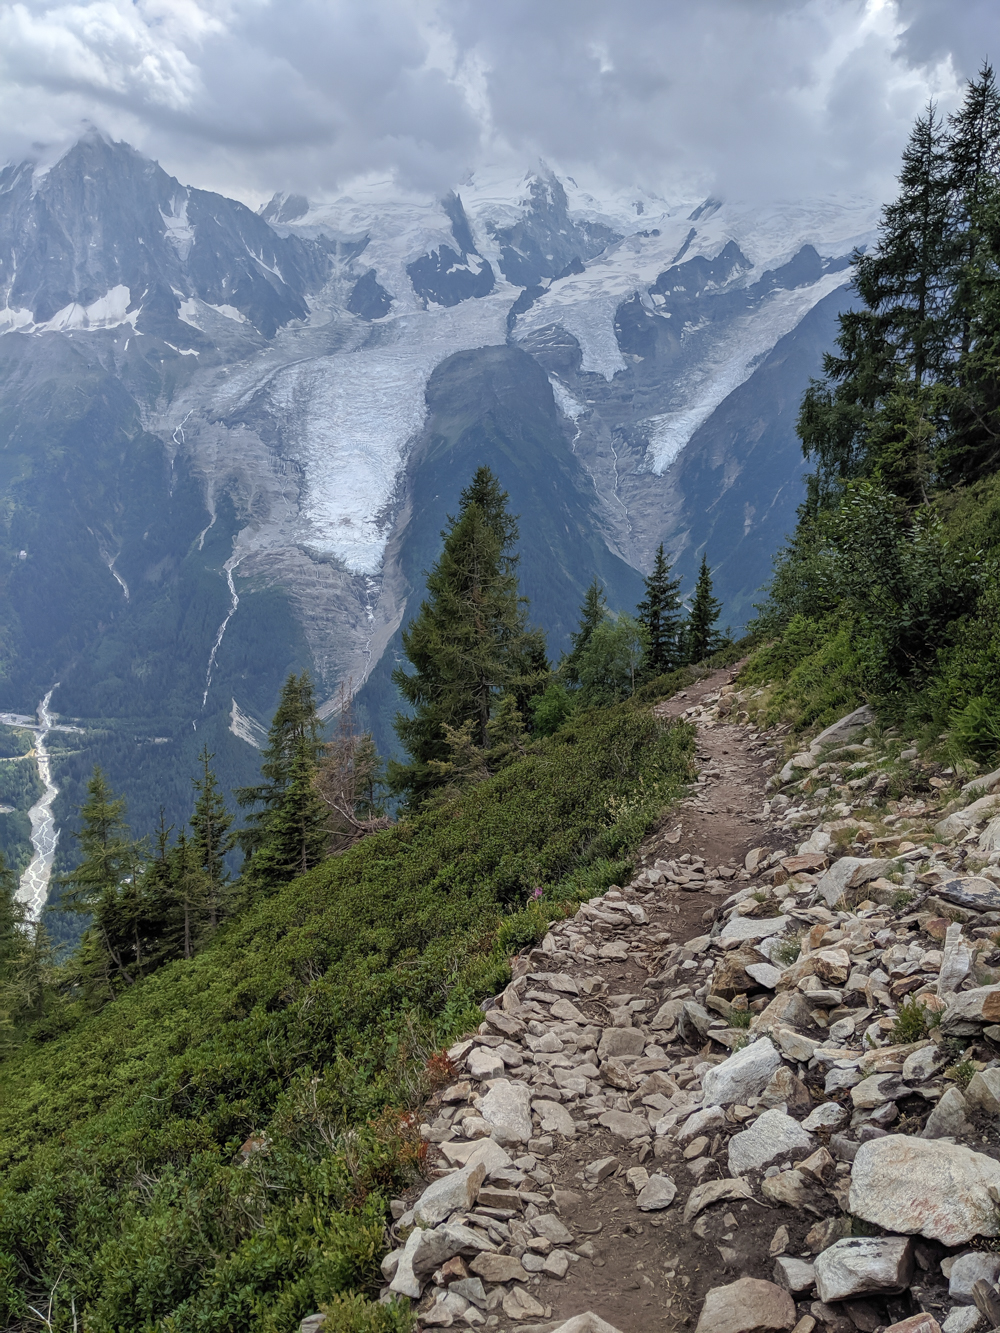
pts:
pixel 864 1266
pixel 744 1074
pixel 967 1270
pixel 929 1188
pixel 453 1193
pixel 844 729
pixel 772 1135
pixel 506 1108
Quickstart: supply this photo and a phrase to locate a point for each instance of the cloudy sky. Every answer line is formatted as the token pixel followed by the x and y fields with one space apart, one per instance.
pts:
pixel 749 98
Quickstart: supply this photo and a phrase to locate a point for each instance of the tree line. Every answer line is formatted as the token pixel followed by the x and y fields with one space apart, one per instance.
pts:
pixel 478 689
pixel 888 589
pixel 911 396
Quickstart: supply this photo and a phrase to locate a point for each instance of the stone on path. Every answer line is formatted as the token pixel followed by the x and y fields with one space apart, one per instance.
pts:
pixel 567 1012
pixel 827 1116
pixel 743 1075
pixel 931 1188
pixel 549 1226
pixel 625 1124
pixel 621 1041
pixel 864 1266
pixel 507 1109
pixel 969 1009
pixel 555 1119
pixel 753 928
pixel 518 1304
pixel 660 1192
pixel 794 1275
pixel 964 1319
pixel 703 1196
pixel 772 1135
pixel 749 1305
pixel 498 1268
pixel 454 1193
pixel 702 1122
pixel 585 1323
pixel 766 974
pixel 984 1091
pixel 484 1063
pixel 967 1269
pixel 948 1119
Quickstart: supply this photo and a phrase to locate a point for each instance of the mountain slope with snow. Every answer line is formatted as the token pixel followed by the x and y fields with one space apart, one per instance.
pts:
pixel 230 439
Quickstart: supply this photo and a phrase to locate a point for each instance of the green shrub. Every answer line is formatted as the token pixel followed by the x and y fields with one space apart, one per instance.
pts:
pixel 312 1024
pixel 911 1021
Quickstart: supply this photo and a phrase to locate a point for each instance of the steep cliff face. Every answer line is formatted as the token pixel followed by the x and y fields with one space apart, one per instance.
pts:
pixel 230 440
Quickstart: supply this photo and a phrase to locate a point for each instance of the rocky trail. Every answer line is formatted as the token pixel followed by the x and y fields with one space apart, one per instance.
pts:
pixel 758 1087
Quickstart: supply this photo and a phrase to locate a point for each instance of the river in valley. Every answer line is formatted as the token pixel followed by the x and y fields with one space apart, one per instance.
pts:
pixel 34 886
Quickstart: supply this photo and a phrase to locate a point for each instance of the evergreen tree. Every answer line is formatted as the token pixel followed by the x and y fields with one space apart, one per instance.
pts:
pixel 700 635
pixel 467 642
pixel 971 447
pixel 212 838
pixel 551 709
pixel 190 893
pixel 660 612
pixel 289 833
pixel 106 885
pixel 25 961
pixel 593 612
pixel 873 410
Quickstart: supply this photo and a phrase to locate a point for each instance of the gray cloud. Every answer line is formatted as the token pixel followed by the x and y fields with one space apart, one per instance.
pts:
pixel 769 99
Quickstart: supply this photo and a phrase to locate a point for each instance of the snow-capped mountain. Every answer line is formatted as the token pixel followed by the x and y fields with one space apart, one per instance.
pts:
pixel 231 439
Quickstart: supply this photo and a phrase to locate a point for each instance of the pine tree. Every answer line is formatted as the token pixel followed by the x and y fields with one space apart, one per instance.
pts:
pixel 700 635
pixel 211 835
pixel 106 885
pixel 593 612
pixel 26 962
pixel 289 832
pixel 466 642
pixel 190 893
pixel 660 612
pixel 972 395
pixel 874 411
pixel 294 721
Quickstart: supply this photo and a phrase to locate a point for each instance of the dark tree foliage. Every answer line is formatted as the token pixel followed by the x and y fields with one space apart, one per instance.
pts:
pixel 288 832
pixel 212 838
pixel 660 612
pixel 910 397
pixel 592 613
pixel 700 635
pixel 468 644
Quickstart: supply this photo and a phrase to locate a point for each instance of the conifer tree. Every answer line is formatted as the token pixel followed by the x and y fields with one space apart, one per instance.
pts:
pixel 971 447
pixel 660 612
pixel 874 409
pixel 107 886
pixel 190 892
pixel 22 960
pixel 466 642
pixel 288 833
pixel 212 838
pixel 700 634
pixel 593 612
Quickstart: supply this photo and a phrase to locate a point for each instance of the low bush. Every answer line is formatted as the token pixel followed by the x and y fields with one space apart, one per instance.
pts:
pixel 216 1148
